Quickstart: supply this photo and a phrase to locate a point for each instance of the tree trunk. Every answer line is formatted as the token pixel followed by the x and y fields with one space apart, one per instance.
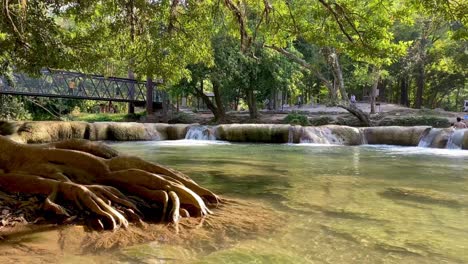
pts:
pixel 252 103
pixel 404 91
pixel 363 117
pixel 420 80
pixel 457 97
pixel 221 113
pixel 338 74
pixel 383 91
pixel 421 75
pixel 333 92
pixel 373 94
pixel 272 103
pixel 217 114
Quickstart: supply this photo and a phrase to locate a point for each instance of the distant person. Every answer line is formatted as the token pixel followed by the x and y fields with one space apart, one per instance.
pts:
pixel 266 104
pixel 459 123
pixel 353 99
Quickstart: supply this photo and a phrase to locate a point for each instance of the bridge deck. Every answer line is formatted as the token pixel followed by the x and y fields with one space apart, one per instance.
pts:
pixel 66 84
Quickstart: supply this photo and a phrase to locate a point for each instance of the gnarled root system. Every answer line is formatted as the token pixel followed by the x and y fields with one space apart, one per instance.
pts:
pixel 114 189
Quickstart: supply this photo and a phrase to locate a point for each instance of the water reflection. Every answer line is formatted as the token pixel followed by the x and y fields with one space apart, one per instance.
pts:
pixel 356 151
pixel 366 204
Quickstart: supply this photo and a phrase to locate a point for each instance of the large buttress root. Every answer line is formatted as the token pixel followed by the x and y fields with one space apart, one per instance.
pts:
pixel 82 177
pixel 120 163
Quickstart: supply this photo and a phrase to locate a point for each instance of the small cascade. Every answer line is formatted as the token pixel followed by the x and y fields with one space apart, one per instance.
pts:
pixel 294 134
pixel 319 135
pixel 152 132
pixel 428 137
pixel 291 135
pixel 362 137
pixel 455 140
pixel 200 133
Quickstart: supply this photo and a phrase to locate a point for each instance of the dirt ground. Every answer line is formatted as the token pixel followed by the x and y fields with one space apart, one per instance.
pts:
pixel 387 114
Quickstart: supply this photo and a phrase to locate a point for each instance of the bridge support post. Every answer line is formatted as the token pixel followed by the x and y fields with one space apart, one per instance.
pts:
pixel 149 96
pixel 131 106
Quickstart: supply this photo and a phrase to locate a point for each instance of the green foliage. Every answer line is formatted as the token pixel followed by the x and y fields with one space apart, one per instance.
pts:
pixel 107 117
pixel 321 121
pixel 433 121
pixel 295 118
pixel 12 108
pixel 181 118
pixel 231 45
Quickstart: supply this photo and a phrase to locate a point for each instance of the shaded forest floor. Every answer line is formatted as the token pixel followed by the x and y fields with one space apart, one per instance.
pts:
pixel 387 115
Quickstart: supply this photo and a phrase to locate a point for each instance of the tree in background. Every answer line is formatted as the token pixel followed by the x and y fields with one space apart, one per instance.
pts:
pixel 412 50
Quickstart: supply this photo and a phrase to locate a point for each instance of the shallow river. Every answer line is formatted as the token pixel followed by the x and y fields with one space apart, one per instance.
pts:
pixel 338 204
pixel 365 204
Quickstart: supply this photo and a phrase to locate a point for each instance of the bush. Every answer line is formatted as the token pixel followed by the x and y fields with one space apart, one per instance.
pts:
pixel 433 121
pixel 321 121
pixel 12 108
pixel 181 118
pixel 296 119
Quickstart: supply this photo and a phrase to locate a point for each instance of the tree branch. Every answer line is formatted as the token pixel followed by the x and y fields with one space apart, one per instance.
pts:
pixel 246 40
pixel 337 19
pixel 288 4
pixel 303 63
pixel 172 15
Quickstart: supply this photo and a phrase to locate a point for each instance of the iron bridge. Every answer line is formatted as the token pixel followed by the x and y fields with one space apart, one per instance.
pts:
pixel 76 85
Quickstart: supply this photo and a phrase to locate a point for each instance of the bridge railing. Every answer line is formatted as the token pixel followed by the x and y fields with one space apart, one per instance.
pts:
pixel 67 84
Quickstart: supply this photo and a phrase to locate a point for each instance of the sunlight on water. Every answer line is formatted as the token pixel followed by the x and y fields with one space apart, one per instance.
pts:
pixel 366 204
pixel 329 203
pixel 420 150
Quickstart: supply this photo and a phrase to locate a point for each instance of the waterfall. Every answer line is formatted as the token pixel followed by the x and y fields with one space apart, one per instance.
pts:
pixel 428 137
pixel 455 139
pixel 362 138
pixel 291 135
pixel 200 133
pixel 319 135
pixel 448 138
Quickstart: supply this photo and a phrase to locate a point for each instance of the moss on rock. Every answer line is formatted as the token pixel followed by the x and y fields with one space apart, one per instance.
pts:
pixel 126 132
pixel 177 131
pixel 433 121
pixel 265 133
pixel 394 135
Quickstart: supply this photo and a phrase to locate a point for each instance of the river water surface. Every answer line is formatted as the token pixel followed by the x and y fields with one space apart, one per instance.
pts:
pixel 338 204
pixel 363 204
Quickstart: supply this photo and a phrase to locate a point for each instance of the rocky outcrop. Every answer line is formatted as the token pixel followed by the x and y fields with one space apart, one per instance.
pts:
pixel 394 135
pixel 265 133
pixel 51 131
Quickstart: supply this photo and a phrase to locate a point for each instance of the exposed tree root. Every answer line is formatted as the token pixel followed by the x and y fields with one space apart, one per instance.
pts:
pixel 93 178
pixel 233 221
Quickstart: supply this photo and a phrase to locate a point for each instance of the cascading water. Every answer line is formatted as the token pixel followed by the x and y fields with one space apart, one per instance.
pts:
pixel 200 133
pixel 428 137
pixel 455 140
pixel 362 138
pixel 291 135
pixel 319 135
pixel 448 138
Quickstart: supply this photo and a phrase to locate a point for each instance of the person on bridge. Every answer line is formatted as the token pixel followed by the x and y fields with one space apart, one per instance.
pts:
pixel 459 123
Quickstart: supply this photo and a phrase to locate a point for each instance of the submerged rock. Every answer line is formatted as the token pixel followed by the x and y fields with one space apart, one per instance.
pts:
pixel 422 196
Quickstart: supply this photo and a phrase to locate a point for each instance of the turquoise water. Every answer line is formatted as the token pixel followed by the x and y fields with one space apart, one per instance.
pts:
pixel 363 204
